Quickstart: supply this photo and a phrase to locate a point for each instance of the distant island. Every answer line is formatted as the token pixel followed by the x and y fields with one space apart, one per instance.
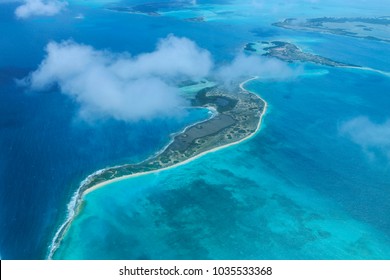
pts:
pixel 157 9
pixel 152 9
pixel 237 116
pixel 366 28
pixel 196 19
pixel 289 52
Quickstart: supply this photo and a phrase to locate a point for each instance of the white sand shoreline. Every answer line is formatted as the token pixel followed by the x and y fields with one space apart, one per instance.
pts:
pixel 77 198
pixel 100 185
pixel 368 69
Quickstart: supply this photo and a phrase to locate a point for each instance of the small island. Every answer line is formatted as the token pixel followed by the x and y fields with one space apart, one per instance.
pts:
pixel 290 53
pixel 237 116
pixel 366 28
pixel 196 19
pixel 158 9
pixel 151 9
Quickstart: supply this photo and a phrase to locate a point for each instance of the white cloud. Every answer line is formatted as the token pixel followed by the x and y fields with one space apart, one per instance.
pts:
pixel 372 137
pixel 175 58
pixel 39 8
pixel 120 86
pixel 250 65
pixel 9 1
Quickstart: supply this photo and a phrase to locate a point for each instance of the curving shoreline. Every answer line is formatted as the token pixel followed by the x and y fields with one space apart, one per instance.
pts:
pixel 100 185
pixel 87 185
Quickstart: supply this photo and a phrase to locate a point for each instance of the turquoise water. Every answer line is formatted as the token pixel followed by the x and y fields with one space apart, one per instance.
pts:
pixel 45 150
pixel 299 189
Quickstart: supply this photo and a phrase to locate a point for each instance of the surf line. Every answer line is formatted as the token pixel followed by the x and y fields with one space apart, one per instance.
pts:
pixel 363 68
pixel 78 197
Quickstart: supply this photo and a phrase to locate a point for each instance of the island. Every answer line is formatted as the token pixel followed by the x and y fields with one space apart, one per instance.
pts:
pixel 157 9
pixel 151 9
pixel 196 19
pixel 237 116
pixel 290 53
pixel 366 28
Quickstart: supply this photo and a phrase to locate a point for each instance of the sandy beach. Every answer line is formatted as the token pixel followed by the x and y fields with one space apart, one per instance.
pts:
pixel 190 159
pixel 369 69
pixel 74 204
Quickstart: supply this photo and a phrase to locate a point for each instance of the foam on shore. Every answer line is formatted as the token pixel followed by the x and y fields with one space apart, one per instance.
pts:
pixel 368 69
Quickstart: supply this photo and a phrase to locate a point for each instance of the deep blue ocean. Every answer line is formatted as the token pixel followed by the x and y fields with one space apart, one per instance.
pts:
pixel 299 189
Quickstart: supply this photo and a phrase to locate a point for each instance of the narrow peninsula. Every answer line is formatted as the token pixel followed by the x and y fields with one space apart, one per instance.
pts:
pixel 237 116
